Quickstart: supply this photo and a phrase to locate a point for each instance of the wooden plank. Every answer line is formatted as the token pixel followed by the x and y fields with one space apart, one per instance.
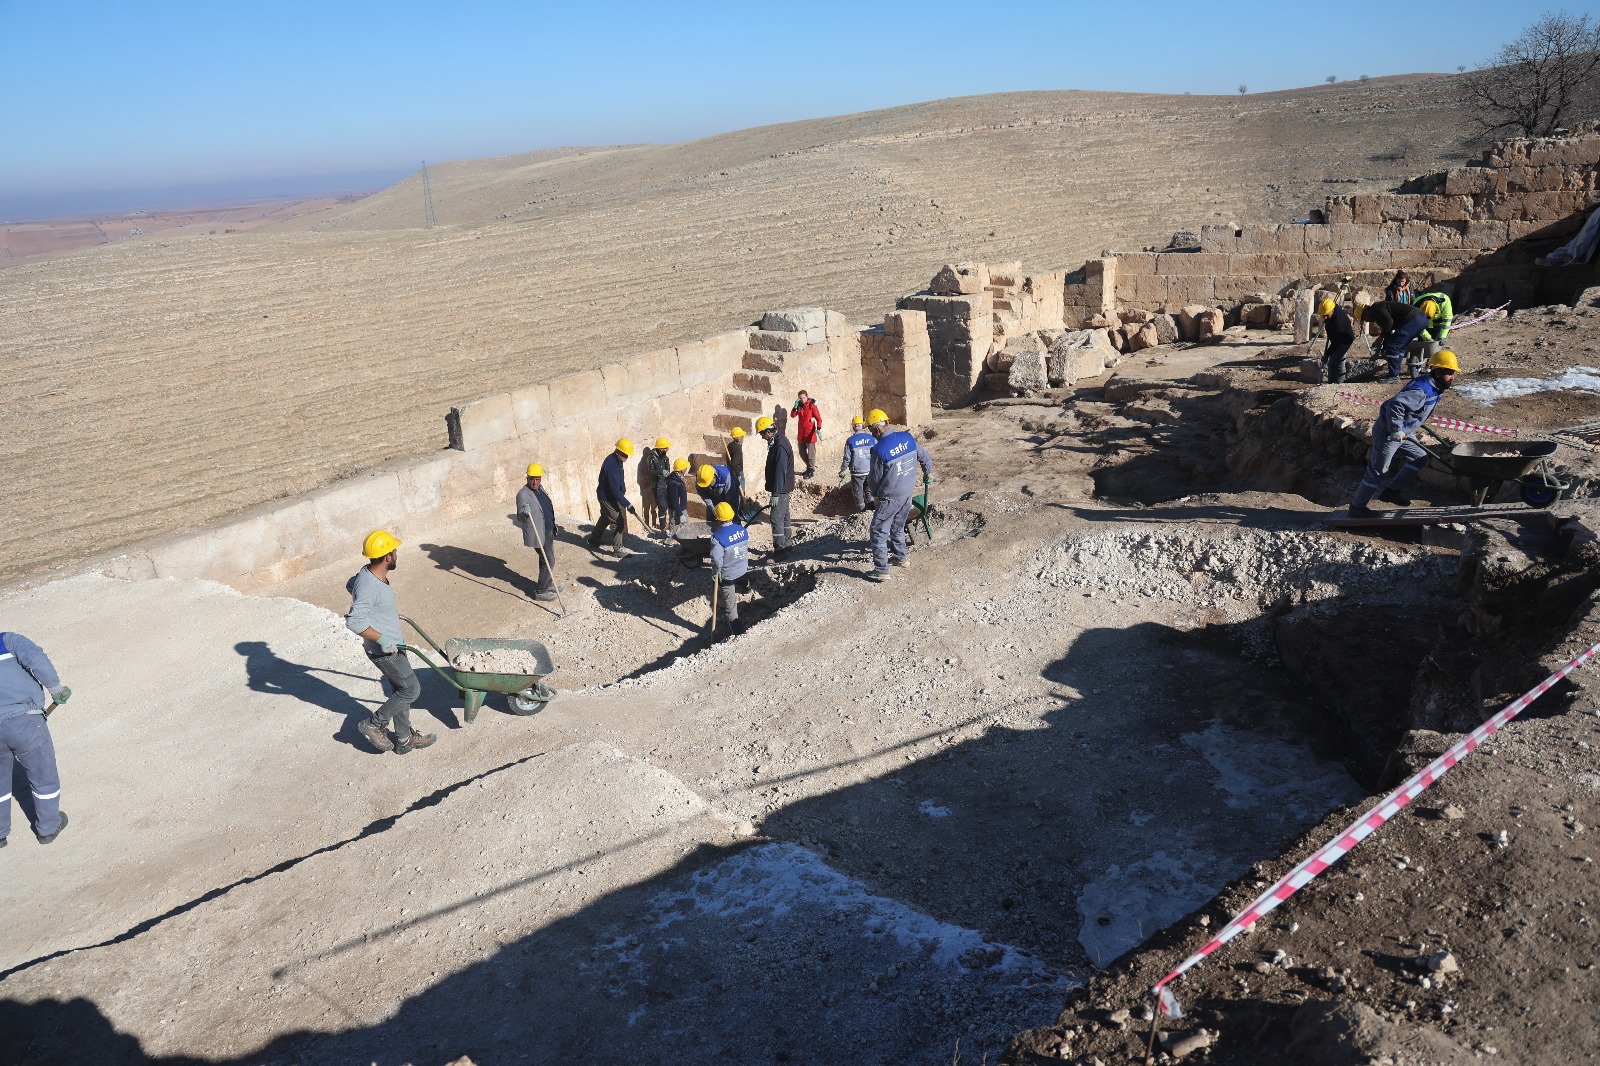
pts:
pixel 1429 516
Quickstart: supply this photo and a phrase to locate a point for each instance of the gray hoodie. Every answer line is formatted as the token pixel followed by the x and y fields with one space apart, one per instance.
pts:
pixel 372 607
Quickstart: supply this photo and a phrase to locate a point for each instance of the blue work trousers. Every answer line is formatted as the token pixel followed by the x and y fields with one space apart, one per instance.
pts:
pixel 27 738
pixel 1379 462
pixel 889 520
pixel 1395 345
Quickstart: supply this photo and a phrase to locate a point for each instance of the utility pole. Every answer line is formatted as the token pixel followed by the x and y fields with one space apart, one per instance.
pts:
pixel 427 197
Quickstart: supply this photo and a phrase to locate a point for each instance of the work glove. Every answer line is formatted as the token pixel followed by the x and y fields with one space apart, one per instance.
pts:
pixel 389 647
pixel 1397 436
pixel 61 695
pixel 632 511
pixel 842 479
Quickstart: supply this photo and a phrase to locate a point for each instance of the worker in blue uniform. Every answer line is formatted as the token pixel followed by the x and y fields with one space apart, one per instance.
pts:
pixel 892 481
pixel 1400 417
pixel 26 675
pixel 718 484
pixel 730 563
pixel 856 466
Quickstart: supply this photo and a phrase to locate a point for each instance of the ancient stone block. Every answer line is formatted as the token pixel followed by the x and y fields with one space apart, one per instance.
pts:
pixel 1027 372
pixel 796 320
pixel 1256 316
pixel 1186 318
pixel 1218 239
pixel 1185 289
pixel 1188 263
pixel 777 341
pixel 1006 275
pixel 951 282
pixel 1080 354
pixel 1338 210
pixel 530 408
pixel 481 422
pixel 1304 304
pixel 1474 181
pixel 1578 151
pixel 1137 316
pixel 1368 210
pixel 1142 290
pixel 1141 337
pixel 960 333
pixel 1166 329
pixel 765 362
pixel 1135 264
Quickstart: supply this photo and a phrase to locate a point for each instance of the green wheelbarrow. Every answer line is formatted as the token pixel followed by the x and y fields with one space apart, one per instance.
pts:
pixel 920 510
pixel 526 693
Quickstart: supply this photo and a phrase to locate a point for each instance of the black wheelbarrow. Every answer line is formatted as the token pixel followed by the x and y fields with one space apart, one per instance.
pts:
pixel 526 693
pixel 1490 464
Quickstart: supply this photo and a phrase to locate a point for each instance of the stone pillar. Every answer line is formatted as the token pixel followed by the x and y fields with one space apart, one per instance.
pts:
pixel 897 368
pixel 960 332
pixel 1304 304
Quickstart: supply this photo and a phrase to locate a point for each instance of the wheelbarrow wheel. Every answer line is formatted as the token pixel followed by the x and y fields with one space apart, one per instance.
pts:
pixel 530 700
pixel 1538 494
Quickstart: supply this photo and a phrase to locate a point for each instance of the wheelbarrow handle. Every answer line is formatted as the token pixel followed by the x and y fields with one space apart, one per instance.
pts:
pixel 432 643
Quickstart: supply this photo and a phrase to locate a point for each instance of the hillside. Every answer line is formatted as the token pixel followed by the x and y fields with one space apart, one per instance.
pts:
pixel 160 384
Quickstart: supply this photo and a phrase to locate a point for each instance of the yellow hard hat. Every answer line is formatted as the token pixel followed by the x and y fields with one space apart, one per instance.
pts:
pixel 706 475
pixel 625 446
pixel 1429 307
pixel 1361 312
pixel 876 417
pixel 723 511
pixel 1326 307
pixel 1444 359
pixel 680 465
pixel 379 542
pixel 663 443
pixel 763 424
pixel 535 470
pixel 857 421
pixel 737 432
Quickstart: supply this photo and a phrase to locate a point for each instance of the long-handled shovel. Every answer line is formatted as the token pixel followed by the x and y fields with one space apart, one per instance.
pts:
pixel 716 587
pixel 538 543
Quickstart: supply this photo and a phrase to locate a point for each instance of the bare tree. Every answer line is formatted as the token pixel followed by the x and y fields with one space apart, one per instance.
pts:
pixel 1541 81
pixel 1461 68
pixel 1364 79
pixel 1331 78
pixel 1243 89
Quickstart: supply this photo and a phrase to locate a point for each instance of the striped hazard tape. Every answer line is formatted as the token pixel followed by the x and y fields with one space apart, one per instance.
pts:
pixel 1440 420
pixel 1358 831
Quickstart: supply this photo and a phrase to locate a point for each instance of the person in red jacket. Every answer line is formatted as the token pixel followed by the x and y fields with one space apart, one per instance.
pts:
pixel 809 428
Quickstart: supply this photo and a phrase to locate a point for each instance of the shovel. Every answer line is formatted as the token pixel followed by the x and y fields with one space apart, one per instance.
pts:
pixel 716 587
pixel 538 544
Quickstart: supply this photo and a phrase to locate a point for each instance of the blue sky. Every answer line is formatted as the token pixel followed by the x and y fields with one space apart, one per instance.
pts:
pixel 127 96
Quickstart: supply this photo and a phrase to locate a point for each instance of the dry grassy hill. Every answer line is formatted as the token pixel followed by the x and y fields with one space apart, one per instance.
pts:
pixel 157 385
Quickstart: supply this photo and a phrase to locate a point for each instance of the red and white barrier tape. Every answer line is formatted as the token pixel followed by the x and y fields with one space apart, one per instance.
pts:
pixel 1359 830
pixel 1441 420
pixel 1484 316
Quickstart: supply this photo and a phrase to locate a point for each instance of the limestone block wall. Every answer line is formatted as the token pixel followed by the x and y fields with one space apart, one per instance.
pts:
pixel 1446 225
pixel 897 368
pixel 961 335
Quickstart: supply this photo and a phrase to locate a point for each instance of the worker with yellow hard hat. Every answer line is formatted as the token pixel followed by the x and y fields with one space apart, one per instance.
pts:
pixel 678 493
pixel 1400 417
pixel 612 494
pixel 730 564
pixel 1435 304
pixel 857 462
pixel 779 481
pixel 537 517
pixel 658 474
pixel 1340 334
pixel 716 484
pixel 892 480
pixel 1398 324
pixel 374 617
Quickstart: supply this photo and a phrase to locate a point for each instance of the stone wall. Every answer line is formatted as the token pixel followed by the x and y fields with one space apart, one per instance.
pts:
pixel 1454 225
pixel 691 394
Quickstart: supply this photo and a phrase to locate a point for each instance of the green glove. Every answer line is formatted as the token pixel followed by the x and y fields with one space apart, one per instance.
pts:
pixel 390 647
pixel 62 694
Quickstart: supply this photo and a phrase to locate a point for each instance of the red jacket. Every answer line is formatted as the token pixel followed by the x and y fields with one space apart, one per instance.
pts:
pixel 810 421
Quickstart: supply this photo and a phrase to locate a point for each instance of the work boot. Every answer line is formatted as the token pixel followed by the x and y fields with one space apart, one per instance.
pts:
pixel 413 742
pixel 1361 510
pixel 902 561
pixel 544 597
pixel 375 735
pixel 879 575
pixel 52 836
pixel 2 842
pixel 1393 496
